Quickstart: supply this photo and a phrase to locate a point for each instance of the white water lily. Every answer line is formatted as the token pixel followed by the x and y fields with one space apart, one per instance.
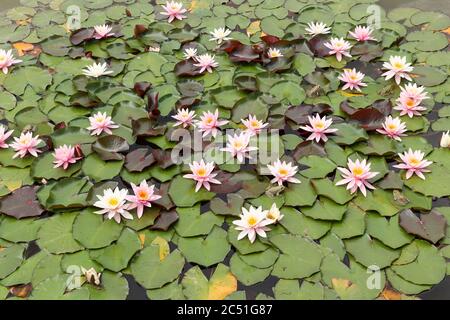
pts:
pixel 273 214
pixel 315 28
pixel 252 222
pixel 97 70
pixel 113 204
pixel 220 35
pixel 445 140
pixel 274 53
pixel 190 53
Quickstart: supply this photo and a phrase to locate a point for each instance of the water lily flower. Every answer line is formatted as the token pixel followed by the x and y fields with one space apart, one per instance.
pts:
pixel 315 28
pixel 409 106
pixel 445 139
pixel 143 197
pixel 202 173
pixel 100 122
pixel 414 162
pixel 411 90
pixel 103 31
pixel 184 117
pixel 26 143
pixel 319 128
pixel 339 47
pixel 362 33
pixel 274 53
pixel 393 127
pixel 353 79
pixel 253 126
pixel 97 70
pixel 4 135
pixel 92 276
pixel 174 10
pixel 64 156
pixel 252 222
pixel 238 146
pixel 220 35
pixel 190 53
pixel 209 123
pixel 273 214
pixel 154 49
pixel 206 62
pixel 356 176
pixel 113 204
pixel 397 68
pixel 283 171
pixel 7 60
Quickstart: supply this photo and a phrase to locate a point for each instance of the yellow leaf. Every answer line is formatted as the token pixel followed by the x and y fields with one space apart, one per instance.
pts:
pixel 350 94
pixel 389 294
pixel 12 185
pixel 447 31
pixel 23 47
pixel 198 4
pixel 164 249
pixel 23 22
pixel 222 283
pixel 344 287
pixel 142 239
pixel 254 27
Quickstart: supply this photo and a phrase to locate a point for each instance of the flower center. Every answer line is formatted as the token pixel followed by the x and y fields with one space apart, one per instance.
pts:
pixel 271 216
pixel 113 202
pixel 2 59
pixel 100 120
pixel 392 126
pixel 353 77
pixel 414 161
pixel 254 124
pixel 410 103
pixel 358 171
pixel 398 65
pixel 319 125
pixel 252 221
pixel 209 121
pixel 282 172
pixel 142 195
pixel 237 144
pixel 201 172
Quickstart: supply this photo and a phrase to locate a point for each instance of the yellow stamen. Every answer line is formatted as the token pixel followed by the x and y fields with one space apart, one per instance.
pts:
pixel 252 221
pixel 201 172
pixel 113 202
pixel 282 172
pixel 358 171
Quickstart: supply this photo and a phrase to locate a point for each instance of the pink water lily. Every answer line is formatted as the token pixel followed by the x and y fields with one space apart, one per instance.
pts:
pixel 26 144
pixel 113 204
pixel 393 127
pixel 252 222
pixel 253 125
pixel 411 90
pixel 282 172
pixel 64 156
pixel 103 31
pixel 409 106
pixel 143 197
pixel 362 33
pixel 184 118
pixel 100 122
pixel 356 176
pixel 4 135
pixel 206 62
pixel 339 47
pixel 202 173
pixel 7 60
pixel 353 79
pixel 209 123
pixel 174 10
pixel 414 163
pixel 238 146
pixel 397 68
pixel 319 128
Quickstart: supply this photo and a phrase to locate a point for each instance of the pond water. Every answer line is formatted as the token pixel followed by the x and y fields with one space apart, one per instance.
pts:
pixel 439 291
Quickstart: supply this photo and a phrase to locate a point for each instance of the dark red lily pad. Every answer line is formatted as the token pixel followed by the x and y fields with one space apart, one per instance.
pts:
pixel 22 203
pixel 139 159
pixel 430 226
pixel 165 220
